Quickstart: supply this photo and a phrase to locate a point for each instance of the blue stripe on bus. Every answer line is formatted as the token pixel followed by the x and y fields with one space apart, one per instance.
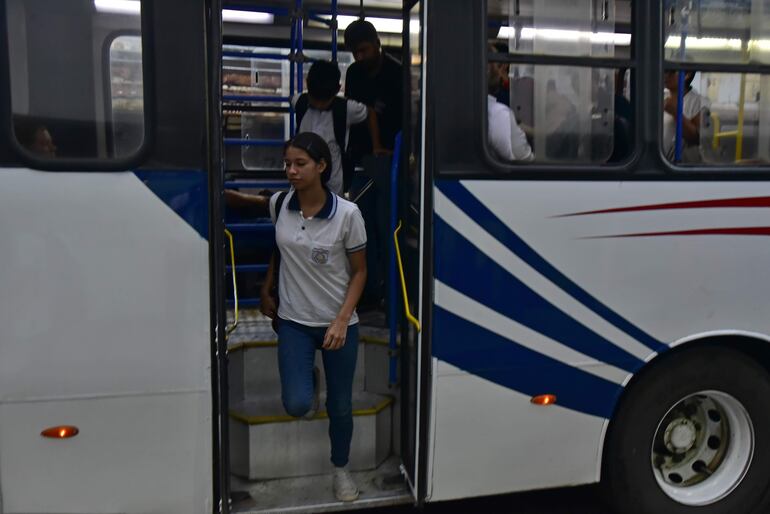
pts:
pixel 476 350
pixel 477 211
pixel 471 272
pixel 184 191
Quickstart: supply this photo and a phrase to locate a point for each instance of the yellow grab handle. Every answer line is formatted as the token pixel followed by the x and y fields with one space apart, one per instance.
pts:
pixel 408 313
pixel 230 329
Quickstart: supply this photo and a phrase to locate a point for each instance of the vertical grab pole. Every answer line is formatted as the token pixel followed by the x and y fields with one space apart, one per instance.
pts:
pixel 680 86
pixel 334 30
pixel 392 287
pixel 292 55
pixel 300 56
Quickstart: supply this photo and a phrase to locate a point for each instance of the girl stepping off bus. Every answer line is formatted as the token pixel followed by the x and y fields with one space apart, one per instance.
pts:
pixel 322 239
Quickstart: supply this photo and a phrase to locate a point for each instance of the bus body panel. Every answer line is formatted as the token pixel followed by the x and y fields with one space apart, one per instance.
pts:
pixel 570 288
pixel 491 439
pixel 107 329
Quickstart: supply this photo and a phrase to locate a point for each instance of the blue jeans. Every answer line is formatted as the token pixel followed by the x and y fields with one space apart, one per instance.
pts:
pixel 297 345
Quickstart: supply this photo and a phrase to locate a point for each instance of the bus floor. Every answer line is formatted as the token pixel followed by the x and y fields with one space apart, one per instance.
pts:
pixel 380 487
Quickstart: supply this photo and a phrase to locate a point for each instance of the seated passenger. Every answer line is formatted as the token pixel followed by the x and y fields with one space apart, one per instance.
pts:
pixel 693 105
pixel 35 138
pixel 506 139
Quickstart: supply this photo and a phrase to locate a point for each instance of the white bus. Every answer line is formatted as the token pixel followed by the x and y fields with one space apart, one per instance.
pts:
pixel 595 314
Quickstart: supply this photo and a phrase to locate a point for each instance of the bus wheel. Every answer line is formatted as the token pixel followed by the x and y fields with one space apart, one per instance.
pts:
pixel 692 435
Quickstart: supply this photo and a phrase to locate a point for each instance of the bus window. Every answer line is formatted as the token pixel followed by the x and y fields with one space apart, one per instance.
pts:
pixel 725 115
pixel 93 116
pixel 126 95
pixel 568 113
pixel 718 31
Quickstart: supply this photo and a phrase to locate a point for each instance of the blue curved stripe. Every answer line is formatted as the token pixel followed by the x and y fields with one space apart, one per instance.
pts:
pixel 184 191
pixel 468 270
pixel 477 211
pixel 476 350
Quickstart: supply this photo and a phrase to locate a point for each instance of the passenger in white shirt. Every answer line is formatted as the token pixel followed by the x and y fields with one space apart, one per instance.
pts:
pixel 322 243
pixel 315 113
pixel 506 139
pixel 692 107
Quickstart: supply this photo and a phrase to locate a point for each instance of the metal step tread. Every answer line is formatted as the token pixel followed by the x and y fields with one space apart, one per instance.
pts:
pixel 379 487
pixel 269 409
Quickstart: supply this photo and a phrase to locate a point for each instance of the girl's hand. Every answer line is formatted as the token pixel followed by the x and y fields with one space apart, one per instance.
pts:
pixel 335 335
pixel 267 305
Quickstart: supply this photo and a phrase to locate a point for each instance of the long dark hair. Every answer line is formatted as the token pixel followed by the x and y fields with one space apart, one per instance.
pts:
pixel 315 146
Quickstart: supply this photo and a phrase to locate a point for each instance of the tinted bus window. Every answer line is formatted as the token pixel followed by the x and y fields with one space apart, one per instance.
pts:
pixel 725 115
pixel 559 113
pixel 76 79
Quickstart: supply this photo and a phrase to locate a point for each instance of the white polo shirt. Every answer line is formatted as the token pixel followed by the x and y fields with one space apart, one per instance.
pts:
pixel 315 270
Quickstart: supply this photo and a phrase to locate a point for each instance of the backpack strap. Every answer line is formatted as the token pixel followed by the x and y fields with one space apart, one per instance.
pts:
pixel 340 120
pixel 300 108
pixel 279 204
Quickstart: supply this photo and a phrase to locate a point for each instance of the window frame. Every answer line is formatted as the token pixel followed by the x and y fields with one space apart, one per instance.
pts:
pixel 550 170
pixel 30 160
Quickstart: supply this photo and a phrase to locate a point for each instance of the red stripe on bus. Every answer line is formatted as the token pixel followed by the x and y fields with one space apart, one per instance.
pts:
pixel 737 231
pixel 758 201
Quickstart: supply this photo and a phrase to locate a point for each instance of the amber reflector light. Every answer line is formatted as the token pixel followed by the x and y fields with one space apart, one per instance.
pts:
pixel 544 399
pixel 61 432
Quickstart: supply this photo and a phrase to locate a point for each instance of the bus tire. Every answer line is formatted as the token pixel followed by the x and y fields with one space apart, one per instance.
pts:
pixel 692 435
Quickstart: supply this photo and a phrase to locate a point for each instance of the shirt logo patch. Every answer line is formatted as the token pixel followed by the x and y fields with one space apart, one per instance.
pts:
pixel 320 255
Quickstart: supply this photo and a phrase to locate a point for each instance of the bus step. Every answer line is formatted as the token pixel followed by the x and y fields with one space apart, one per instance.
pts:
pixel 266 443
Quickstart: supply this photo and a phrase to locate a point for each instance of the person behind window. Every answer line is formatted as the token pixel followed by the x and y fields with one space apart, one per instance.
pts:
pixel 322 243
pixel 506 139
pixel 35 138
pixel 693 106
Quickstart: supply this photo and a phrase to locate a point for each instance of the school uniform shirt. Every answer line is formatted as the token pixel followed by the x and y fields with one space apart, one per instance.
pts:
pixel 506 139
pixel 315 270
pixel 322 123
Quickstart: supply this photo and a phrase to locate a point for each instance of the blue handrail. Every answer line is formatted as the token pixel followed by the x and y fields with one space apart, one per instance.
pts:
pixel 392 277
pixel 254 98
pixel 276 184
pixel 251 55
pixel 229 141
pixel 255 228
pixel 257 268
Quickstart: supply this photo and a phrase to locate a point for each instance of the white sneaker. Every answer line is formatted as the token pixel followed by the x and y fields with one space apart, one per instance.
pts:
pixel 344 487
pixel 316 394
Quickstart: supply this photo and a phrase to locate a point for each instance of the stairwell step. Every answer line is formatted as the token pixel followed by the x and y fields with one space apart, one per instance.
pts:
pixel 265 443
pixel 269 409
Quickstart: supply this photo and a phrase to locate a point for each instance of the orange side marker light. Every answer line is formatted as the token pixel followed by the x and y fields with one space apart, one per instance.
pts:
pixel 60 432
pixel 544 399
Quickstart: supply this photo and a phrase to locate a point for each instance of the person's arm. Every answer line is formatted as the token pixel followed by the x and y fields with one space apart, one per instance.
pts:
pixel 237 199
pixel 519 145
pixel 374 132
pixel 338 329
pixel 267 303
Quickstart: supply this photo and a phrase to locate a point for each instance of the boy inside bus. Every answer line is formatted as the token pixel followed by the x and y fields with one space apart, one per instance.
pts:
pixel 322 112
pixel 693 105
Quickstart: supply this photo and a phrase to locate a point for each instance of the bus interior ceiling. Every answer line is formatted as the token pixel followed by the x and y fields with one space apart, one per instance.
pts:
pixel 276 461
